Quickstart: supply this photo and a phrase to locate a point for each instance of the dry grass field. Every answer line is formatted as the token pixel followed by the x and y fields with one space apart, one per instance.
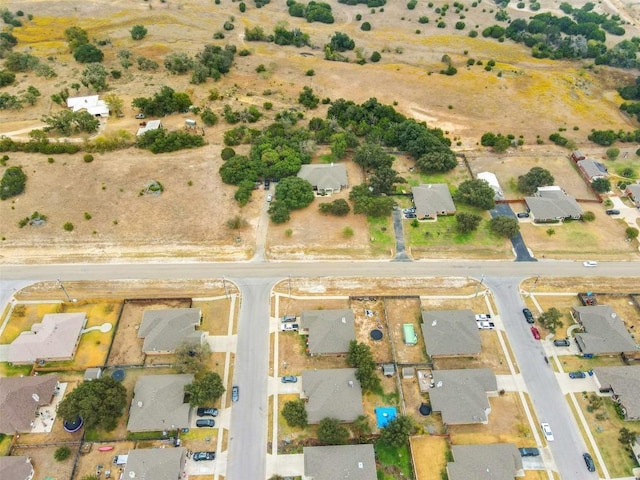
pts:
pixel 429 456
pixel 523 95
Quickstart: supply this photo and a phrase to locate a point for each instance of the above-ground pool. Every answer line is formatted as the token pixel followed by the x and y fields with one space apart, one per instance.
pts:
pixel 385 414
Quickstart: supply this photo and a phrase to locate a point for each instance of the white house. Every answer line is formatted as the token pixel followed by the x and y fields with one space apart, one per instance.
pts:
pixel 91 104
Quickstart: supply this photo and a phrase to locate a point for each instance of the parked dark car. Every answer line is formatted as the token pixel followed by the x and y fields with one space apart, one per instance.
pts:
pixel 613 211
pixel 199 456
pixel 410 215
pixel 577 375
pixel 562 343
pixel 266 184
pixel 589 461
pixel 529 452
pixel 235 393
pixel 523 214
pixel 289 379
pixel 205 422
pixel 207 412
pixel 528 315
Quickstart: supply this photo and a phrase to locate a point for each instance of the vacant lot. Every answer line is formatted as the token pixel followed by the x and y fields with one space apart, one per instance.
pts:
pixel 127 347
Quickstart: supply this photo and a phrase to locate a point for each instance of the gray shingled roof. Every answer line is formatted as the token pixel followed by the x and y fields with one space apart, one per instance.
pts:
pixel 155 464
pixel 158 403
pixel 330 331
pixel 462 395
pixel 450 332
pixel 625 383
pixel 332 393
pixel 353 462
pixel 15 468
pixel 55 338
pixel 551 203
pixel 498 461
pixel 325 176
pixel 604 331
pixel 20 397
pixel 635 191
pixel 432 199
pixel 164 330
pixel 592 168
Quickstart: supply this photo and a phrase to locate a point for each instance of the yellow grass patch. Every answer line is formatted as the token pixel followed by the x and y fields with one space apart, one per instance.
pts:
pixel 23 317
pixel 429 456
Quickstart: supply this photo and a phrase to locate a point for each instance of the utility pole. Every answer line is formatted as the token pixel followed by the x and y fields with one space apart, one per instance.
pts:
pixel 481 282
pixel 69 299
pixel 535 283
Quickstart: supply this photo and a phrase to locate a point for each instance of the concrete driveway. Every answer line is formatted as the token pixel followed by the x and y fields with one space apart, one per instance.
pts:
pixel 628 214
pixel 519 247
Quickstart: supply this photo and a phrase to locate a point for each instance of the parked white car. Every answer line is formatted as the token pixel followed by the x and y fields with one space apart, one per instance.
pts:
pixel 484 325
pixel 289 327
pixel 483 316
pixel 590 263
pixel 546 430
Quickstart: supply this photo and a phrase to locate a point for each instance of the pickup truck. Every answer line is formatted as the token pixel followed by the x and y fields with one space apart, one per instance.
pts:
pixel 289 327
pixel 486 325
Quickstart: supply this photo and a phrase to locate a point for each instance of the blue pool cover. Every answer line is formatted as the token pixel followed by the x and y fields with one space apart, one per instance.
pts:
pixel 385 414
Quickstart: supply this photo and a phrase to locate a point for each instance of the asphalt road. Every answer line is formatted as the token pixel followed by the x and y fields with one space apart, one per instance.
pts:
pixel 545 393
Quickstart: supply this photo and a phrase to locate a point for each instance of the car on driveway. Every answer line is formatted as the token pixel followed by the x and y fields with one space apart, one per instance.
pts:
pixel 483 316
pixel 207 412
pixel 199 456
pixel 410 215
pixel 528 315
pixel 269 197
pixel 205 422
pixel 529 452
pixel 590 263
pixel 523 214
pixel 562 343
pixel 140 116
pixel 577 375
pixel 546 431
pixel 289 327
pixel 267 183
pixel 289 379
pixel 484 325
pixel 613 211
pixel 235 393
pixel 535 333
pixel 589 462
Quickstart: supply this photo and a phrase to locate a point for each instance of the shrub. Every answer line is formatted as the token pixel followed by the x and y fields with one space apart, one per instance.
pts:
pixel 138 32
pixel 365 27
pixel 12 183
pixel 347 232
pixel 588 216
pixel 227 153
pixel 375 57
pixel 612 153
pixel 87 216
pixel 339 208
pixel 310 73
pixel 88 158
pixel 68 227
pixel 62 453
pixel 460 25
pixel 242 7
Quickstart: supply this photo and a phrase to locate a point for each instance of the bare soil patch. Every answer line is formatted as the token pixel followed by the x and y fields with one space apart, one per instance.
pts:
pixel 295 306
pixel 44 465
pixel 381 349
pixel 89 461
pixel 572 285
pixel 400 312
pixel 127 347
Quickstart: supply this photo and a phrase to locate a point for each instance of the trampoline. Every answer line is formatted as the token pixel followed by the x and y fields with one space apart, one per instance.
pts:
pixel 376 334
pixel 118 375
pixel 384 415
pixel 425 409
pixel 73 425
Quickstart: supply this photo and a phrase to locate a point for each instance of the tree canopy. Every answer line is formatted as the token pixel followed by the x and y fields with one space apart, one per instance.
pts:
pixel 477 193
pixel 206 390
pixel 467 222
pixel 88 53
pixel 191 357
pixel 294 192
pixel 332 432
pixel 534 178
pixel 360 356
pixel 397 431
pixel 601 185
pixel 68 123
pixel 551 319
pixel 504 226
pixel 13 182
pixel 100 403
pixel 138 32
pixel 295 414
pixel 365 202
pixel 164 102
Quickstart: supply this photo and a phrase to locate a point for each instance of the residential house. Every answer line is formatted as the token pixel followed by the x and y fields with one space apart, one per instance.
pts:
pixel 604 332
pixel 431 200
pixel 492 180
pixel 332 393
pixel 159 403
pixel 577 155
pixel 329 331
pixel 325 178
pixel 450 333
pixel 552 204
pixel 91 104
pixel 633 192
pixel 635 448
pixel 591 169
pixel 20 399
pixel 148 126
pixel 55 339
pixel 461 395
pixel 497 461
pixel 156 464
pixel 16 468
pixel 624 385
pixel 165 330
pixel 355 462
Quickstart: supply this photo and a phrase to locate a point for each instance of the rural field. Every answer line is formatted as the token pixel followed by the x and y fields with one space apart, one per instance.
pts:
pixel 522 95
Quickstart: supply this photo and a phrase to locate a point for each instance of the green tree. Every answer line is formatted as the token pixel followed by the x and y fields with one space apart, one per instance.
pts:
pixel 339 208
pixel 115 104
pixel 100 403
pixel 340 42
pixel 384 179
pixel 339 145
pixel 68 123
pixel 477 193
pixel 631 232
pixel 205 391
pixel 397 431
pixel 294 193
pixel 88 53
pixel 501 144
pixel 467 222
pixel 332 432
pixel 376 57
pixel 178 63
pixel 295 414
pixel 551 319
pixel 12 183
pixel 437 161
pixel 6 78
pixel 278 212
pixel 601 185
pixel 138 32
pixel 371 156
pixel 534 178
pixel 76 36
pixel 307 98
pixel 61 454
pixel 208 117
pixel 191 357
pixel 627 437
pixel 95 76
pixel 365 202
pixel 504 226
pixel 360 356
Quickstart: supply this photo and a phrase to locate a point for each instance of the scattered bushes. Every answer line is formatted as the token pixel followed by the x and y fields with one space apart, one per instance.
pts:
pixel 339 208
pixel 12 183
pixel 160 141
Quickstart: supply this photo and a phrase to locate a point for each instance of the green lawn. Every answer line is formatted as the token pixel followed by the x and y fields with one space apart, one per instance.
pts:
pixel 9 370
pixel 381 231
pixel 393 463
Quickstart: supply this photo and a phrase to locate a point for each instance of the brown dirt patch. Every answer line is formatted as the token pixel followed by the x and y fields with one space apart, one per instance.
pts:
pixel 127 347
pixel 295 306
pixel 507 422
pixel 44 464
pixel 400 312
pixel 364 324
pixel 582 284
pixel 412 400
pixel 429 455
pixel 88 462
